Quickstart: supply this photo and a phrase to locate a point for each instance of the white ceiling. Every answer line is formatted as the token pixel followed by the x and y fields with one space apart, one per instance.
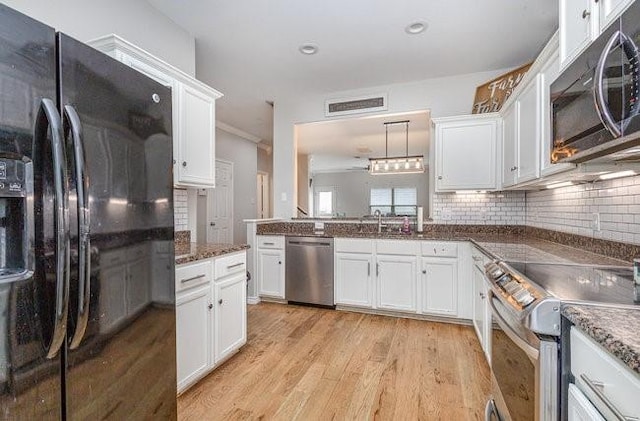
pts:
pixel 348 144
pixel 249 49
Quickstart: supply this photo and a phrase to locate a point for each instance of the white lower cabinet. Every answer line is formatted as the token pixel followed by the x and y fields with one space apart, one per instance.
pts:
pixel 230 315
pixel 193 335
pixel 579 408
pixel 406 276
pixel 481 311
pixel 440 286
pixel 211 314
pixel 396 281
pixel 353 279
pixel 270 266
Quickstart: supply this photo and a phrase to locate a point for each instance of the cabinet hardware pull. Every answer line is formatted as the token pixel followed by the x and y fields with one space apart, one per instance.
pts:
pixel 439 177
pixel 210 306
pixel 368 268
pixel 235 266
pixel 280 262
pixel 193 278
pixel 220 301
pixel 598 389
pixel 482 295
pixel 585 14
pixel 477 258
pixel 377 269
pixel 267 244
pixel 184 163
pixel 424 271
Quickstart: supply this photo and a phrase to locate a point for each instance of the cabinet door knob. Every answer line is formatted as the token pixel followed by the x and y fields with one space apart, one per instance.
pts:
pixel 279 263
pixel 585 14
pixel 213 224
pixel 482 295
pixel 210 306
pixel 424 271
pixel 220 301
pixel 184 163
pixel 439 177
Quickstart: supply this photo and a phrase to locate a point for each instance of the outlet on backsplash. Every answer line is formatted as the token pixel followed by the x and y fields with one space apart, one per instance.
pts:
pixel 595 221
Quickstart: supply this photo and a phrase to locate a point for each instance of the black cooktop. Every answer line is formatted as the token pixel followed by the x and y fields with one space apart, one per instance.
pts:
pixel 597 284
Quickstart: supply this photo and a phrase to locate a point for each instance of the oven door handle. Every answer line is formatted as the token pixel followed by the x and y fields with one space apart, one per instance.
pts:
pixel 598 87
pixel 532 352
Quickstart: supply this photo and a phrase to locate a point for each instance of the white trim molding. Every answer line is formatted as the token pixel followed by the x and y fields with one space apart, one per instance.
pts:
pixel 234 130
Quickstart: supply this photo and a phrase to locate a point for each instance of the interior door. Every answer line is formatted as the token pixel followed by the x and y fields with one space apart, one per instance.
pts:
pixel 220 218
pixel 110 371
pixel 30 383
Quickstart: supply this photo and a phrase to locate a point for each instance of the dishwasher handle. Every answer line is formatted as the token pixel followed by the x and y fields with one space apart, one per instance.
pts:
pixel 309 243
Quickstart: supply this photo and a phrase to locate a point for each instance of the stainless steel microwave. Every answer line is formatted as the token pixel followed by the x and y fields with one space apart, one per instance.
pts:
pixel 595 102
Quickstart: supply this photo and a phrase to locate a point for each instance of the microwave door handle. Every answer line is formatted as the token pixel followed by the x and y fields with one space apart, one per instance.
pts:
pixel 598 88
pixel 48 117
pixel 72 122
pixel 633 55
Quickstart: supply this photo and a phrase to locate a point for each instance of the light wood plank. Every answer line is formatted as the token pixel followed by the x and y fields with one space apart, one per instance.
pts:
pixel 304 363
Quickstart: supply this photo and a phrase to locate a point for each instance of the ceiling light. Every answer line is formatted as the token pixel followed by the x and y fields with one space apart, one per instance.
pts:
pixel 415 28
pixel 618 174
pixel 308 49
pixel 396 165
pixel 560 184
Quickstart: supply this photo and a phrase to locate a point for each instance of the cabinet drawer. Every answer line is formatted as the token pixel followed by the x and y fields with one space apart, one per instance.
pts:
pixel 400 247
pixel 227 265
pixel 432 248
pixel 193 274
pixel 349 245
pixel 271 241
pixel 594 368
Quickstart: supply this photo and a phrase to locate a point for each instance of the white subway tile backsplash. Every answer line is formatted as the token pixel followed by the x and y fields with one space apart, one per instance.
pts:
pixel 500 208
pixel 616 201
pixel 180 210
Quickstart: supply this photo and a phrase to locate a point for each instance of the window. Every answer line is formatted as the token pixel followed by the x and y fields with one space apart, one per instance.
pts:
pixel 324 202
pixel 394 201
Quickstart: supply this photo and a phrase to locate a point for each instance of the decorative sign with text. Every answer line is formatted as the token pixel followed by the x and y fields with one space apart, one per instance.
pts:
pixel 491 95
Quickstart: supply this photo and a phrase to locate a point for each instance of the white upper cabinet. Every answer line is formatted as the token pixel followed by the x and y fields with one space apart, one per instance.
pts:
pixel 578 27
pixel 581 21
pixel 193 111
pixel 466 149
pixel 509 146
pixel 529 131
pixel 610 10
pixel 197 123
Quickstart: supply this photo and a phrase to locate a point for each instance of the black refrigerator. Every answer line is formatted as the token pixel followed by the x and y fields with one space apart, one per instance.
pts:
pixel 87 293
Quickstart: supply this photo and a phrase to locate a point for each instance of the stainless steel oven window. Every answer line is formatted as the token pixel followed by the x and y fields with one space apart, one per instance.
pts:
pixel 525 369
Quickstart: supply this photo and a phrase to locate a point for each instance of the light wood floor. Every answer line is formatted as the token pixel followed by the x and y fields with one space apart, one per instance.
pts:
pixel 311 364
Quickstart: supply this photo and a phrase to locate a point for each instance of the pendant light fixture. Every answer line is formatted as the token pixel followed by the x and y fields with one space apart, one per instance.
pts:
pixel 399 164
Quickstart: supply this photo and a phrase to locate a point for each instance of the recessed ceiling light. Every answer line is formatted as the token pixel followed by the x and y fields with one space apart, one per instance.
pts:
pixel 308 49
pixel 416 28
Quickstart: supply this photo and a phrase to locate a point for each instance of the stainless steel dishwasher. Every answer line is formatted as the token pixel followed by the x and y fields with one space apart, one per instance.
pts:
pixel 309 270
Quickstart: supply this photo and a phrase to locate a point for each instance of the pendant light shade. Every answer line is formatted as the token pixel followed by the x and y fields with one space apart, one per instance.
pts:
pixel 408 164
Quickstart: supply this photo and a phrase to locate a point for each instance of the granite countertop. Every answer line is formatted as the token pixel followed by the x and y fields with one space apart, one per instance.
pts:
pixel 508 246
pixel 190 252
pixel 616 329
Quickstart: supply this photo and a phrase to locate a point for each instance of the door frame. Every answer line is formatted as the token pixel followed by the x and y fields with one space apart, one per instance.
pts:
pixel 266 198
pixel 209 198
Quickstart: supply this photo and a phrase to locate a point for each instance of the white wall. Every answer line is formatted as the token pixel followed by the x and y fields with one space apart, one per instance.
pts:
pixel 352 188
pixel 244 156
pixel 445 96
pixel 134 20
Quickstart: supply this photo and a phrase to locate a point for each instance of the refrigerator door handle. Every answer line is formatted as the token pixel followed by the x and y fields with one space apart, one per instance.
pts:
pixel 48 117
pixel 71 122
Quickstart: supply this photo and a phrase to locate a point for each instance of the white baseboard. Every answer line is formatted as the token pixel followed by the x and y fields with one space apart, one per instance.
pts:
pixel 253 300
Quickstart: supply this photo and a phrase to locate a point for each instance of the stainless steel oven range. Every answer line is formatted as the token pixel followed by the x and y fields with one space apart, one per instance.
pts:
pixel 526 299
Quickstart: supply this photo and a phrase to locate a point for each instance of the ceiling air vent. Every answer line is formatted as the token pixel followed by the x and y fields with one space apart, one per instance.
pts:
pixel 356 105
